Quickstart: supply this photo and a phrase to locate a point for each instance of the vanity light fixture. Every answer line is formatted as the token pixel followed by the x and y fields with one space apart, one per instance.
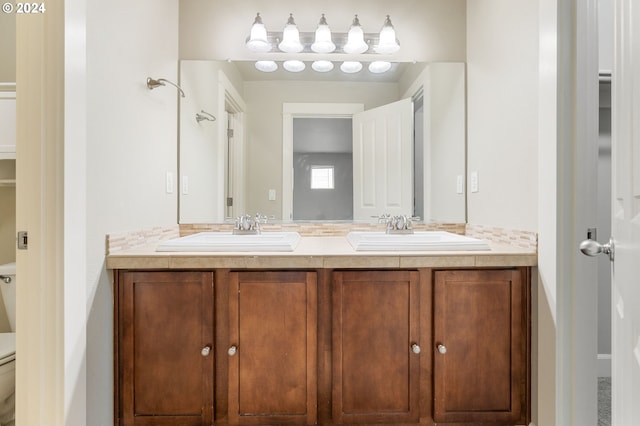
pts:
pixel 351 67
pixel 355 38
pixel 379 67
pixel 257 41
pixel 291 37
pixel 322 66
pixel 323 43
pixel 266 66
pixel 294 65
pixel 387 43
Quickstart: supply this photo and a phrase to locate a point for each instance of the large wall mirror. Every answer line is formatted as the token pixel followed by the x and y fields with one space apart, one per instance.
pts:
pixel 318 146
pixel 307 148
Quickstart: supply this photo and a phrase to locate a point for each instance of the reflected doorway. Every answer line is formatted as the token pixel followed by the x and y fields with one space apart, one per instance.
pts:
pixel 322 168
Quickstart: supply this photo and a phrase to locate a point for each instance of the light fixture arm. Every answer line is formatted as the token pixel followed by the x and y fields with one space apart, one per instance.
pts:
pixel 152 84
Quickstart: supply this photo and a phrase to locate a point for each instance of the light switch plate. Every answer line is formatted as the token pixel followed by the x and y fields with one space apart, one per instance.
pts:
pixel 169 183
pixel 272 195
pixel 474 182
pixel 185 185
pixel 459 184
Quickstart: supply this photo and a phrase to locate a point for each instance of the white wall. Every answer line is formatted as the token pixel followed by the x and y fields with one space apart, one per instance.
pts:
pixel 502 78
pixel 445 134
pixel 131 135
pixel 512 80
pixel 544 287
pixel 200 150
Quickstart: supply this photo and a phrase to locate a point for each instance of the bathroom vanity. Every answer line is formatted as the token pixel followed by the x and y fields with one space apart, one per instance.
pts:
pixel 322 335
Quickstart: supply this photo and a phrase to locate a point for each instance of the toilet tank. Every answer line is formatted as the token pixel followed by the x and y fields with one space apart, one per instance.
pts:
pixel 8 290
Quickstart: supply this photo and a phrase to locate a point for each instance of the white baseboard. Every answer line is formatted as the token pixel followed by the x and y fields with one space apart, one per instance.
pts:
pixel 604 365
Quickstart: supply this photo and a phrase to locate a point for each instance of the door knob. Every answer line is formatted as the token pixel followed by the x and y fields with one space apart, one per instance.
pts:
pixel 416 348
pixel 594 248
pixel 232 350
pixel 442 349
pixel 205 351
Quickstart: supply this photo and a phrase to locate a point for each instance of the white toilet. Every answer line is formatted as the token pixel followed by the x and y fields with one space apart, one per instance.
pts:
pixel 8 346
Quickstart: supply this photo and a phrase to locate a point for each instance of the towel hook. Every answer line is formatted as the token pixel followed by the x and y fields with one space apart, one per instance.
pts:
pixel 208 116
pixel 152 84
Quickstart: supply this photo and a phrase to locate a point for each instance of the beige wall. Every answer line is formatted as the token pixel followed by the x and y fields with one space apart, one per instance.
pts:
pixel 7 47
pixel 427 30
pixel 264 128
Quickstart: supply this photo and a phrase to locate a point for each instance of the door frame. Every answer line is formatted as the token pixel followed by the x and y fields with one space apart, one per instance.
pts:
pixel 577 139
pixel 294 110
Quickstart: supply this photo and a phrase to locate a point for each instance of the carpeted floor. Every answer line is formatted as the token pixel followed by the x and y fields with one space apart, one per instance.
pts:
pixel 604 401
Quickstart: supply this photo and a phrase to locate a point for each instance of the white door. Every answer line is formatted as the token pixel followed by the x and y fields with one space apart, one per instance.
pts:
pixel 625 224
pixel 383 160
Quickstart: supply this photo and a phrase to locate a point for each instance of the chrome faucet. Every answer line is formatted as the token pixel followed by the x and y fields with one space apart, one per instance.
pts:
pixel 399 224
pixel 247 225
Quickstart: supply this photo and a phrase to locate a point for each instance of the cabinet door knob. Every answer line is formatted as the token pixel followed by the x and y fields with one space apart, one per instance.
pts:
pixel 232 350
pixel 416 348
pixel 205 351
pixel 442 349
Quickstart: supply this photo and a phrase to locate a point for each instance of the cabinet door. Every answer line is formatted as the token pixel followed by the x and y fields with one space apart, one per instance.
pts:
pixel 166 370
pixel 273 338
pixel 480 333
pixel 375 327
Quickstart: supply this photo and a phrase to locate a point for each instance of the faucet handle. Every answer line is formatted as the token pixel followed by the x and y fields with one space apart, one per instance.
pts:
pixel 383 218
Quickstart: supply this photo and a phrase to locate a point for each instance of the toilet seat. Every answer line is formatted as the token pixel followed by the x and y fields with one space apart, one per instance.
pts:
pixel 7 347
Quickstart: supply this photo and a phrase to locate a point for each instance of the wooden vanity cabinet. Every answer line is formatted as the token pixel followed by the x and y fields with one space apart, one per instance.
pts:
pixel 164 342
pixel 375 347
pixel 481 345
pixel 273 347
pixel 323 347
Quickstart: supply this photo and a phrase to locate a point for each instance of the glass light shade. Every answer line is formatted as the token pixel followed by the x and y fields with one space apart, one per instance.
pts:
pixel 323 43
pixel 387 43
pixel 355 38
pixel 257 41
pixel 379 67
pixel 322 66
pixel 266 66
pixel 290 38
pixel 351 67
pixel 293 65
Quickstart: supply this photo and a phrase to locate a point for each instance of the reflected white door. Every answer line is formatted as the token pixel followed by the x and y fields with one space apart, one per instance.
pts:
pixel 383 160
pixel 626 215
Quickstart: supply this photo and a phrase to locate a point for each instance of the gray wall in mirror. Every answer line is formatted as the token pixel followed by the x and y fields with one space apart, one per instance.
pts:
pixel 261 147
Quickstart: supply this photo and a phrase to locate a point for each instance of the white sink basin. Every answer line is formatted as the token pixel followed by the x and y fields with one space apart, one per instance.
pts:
pixel 418 241
pixel 226 241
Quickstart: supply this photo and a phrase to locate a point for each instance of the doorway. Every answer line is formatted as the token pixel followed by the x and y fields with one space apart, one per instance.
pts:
pixel 322 168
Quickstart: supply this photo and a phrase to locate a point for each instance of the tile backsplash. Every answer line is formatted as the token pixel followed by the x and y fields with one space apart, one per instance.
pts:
pixel 117 242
